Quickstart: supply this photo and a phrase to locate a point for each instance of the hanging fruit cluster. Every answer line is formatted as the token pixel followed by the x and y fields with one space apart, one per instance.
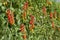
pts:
pixel 10 16
pixel 25 7
pixel 31 22
pixel 22 29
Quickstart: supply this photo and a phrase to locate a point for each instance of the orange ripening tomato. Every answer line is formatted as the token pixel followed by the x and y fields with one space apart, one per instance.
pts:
pixel 22 27
pixel 31 27
pixel 24 15
pixel 25 5
pixel 24 36
pixel 51 15
pixel 12 19
pixel 44 10
pixel 53 25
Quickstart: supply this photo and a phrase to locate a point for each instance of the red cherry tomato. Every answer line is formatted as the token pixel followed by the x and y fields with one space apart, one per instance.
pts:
pixel 51 15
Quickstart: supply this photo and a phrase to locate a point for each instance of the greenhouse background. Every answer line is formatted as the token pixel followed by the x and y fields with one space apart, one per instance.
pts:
pixel 29 19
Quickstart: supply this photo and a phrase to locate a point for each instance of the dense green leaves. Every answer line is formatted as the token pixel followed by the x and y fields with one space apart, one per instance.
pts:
pixel 43 27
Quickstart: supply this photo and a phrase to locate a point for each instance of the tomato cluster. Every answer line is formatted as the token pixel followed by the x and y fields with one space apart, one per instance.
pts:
pixel 10 16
